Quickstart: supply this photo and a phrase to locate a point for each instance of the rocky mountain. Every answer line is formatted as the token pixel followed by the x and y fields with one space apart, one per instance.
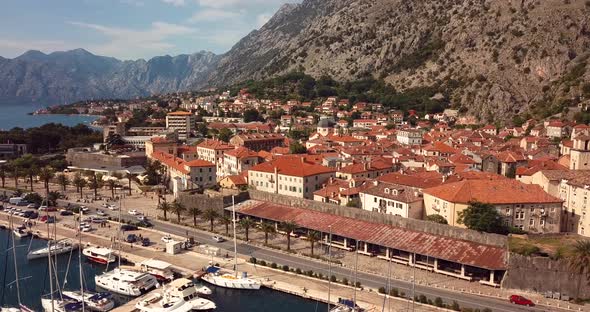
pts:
pixel 492 58
pixel 75 75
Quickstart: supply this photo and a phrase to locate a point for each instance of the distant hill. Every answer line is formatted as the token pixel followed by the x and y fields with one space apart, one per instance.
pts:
pixel 78 74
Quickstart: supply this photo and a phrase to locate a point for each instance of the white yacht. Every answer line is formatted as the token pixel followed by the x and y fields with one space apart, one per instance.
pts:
pixel 57 248
pixel 100 302
pixel 21 232
pixel 178 296
pixel 228 280
pixel 126 282
pixel 161 270
pixel 101 255
pixel 60 305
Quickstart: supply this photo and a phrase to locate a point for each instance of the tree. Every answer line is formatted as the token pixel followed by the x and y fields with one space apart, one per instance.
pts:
pixel 79 183
pixel 482 217
pixel 63 180
pixel 288 227
pixel 225 134
pixel 210 215
pixel 15 172
pixel 267 228
pixel 111 183
pixel 226 221
pixel 246 223
pixel 95 183
pixel 252 115
pixel 178 209
pixel 129 177
pixel 31 173
pixel 313 237
pixel 165 207
pixel 297 148
pixel 579 260
pixel 195 212
pixel 437 219
pixel 46 174
pixel 3 175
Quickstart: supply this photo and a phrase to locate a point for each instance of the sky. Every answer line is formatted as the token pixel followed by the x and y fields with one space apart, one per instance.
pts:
pixel 130 29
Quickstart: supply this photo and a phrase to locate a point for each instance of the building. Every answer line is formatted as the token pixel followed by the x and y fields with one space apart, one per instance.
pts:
pixel 239 160
pixel 213 151
pixel 393 199
pixel 290 176
pixel 366 169
pixel 523 206
pixel 118 128
pixel 409 137
pixel 183 175
pixel 183 122
pixel 580 152
pixel 12 150
pixel 100 161
pixel 258 141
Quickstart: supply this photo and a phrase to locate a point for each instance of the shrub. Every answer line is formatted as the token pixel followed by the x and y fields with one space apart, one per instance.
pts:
pixel 345 281
pixel 381 290
pixel 298 271
pixel 309 273
pixel 422 299
pixel 262 262
pixel 357 284
pixel 286 268
pixel 253 260
pixel 273 265
pixel 438 302
pixel 394 292
pixel 402 294
pixel 455 306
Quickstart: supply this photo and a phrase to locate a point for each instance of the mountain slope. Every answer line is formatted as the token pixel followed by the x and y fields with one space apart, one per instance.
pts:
pixel 504 57
pixel 77 74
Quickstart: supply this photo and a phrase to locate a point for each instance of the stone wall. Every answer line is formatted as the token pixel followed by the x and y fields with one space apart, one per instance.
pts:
pixel 356 213
pixel 210 199
pixel 541 274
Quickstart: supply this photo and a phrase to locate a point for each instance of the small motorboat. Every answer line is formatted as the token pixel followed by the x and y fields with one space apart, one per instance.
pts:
pixel 21 232
pixel 100 302
pixel 204 291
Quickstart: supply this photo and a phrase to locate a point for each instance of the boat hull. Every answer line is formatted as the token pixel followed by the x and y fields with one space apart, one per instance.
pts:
pixel 230 283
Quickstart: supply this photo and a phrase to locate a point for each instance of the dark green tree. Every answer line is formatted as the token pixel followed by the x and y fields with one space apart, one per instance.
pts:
pixel 482 217
pixel 297 148
pixel 437 219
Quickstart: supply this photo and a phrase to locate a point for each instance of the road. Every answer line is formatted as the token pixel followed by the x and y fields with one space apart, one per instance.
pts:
pixel 366 279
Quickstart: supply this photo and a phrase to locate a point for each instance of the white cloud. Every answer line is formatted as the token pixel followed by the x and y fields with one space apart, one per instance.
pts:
pixel 129 43
pixel 212 15
pixel 175 2
pixel 262 19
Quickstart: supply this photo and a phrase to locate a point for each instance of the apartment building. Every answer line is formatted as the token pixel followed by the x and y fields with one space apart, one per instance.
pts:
pixel 182 122
pixel 395 199
pixel 409 137
pixel 213 151
pixel 258 141
pixel 289 176
pixel 523 206
pixel 183 175
pixel 238 160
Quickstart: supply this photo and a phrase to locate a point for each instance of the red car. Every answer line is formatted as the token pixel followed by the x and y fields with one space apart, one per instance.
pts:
pixel 520 300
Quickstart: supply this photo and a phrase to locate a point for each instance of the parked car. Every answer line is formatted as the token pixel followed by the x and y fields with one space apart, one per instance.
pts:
pixel 218 238
pixel 84 209
pixel 66 213
pixel 30 214
pixel 166 239
pixel 131 238
pixel 112 207
pixel 145 223
pixel 100 213
pixel 43 208
pixel 133 212
pixel 141 217
pixel 128 227
pixel 32 206
pixel 520 300
pixel 145 242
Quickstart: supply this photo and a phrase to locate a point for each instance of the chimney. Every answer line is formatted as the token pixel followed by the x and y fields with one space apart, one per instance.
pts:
pixel 375 182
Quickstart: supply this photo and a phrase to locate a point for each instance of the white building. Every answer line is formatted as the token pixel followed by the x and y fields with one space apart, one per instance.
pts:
pixel 238 160
pixel 393 199
pixel 409 137
pixel 183 122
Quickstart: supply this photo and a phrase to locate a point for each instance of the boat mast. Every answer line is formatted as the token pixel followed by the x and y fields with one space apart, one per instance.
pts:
pixel 80 261
pixel 356 261
pixel 119 234
pixel 233 205
pixel 329 265
pixel 50 275
pixel 14 258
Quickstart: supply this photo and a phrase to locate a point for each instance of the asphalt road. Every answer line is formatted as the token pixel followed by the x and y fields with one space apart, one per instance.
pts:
pixel 366 279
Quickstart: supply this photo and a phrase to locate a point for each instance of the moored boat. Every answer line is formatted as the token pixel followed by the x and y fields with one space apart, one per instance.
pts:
pixel 57 248
pixel 126 282
pixel 215 276
pixel 101 255
pixel 21 232
pixel 100 302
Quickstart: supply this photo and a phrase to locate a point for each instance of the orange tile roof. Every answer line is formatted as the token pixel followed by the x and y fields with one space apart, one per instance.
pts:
pixel 199 163
pixel 241 152
pixel 492 191
pixel 215 145
pixel 180 113
pixel 292 166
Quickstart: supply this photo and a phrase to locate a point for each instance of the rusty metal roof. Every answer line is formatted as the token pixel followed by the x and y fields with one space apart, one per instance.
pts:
pixel 446 248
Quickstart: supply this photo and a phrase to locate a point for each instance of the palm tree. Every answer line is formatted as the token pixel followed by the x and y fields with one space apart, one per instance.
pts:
pixel 129 177
pixel 178 209
pixel 15 173
pixel 210 214
pixel 3 175
pixel 225 220
pixel 46 174
pixel 31 172
pixel 288 227
pixel 112 183
pixel 195 212
pixel 313 237
pixel 268 228
pixel 579 260
pixel 165 207
pixel 79 183
pixel 95 183
pixel 63 180
pixel 247 223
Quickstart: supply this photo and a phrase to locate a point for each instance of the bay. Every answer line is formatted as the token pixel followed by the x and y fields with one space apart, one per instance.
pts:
pixel 34 282
pixel 16 114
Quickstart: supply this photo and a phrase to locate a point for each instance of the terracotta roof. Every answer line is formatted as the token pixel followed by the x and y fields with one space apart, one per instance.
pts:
pixel 377 165
pixel 292 166
pixel 437 246
pixel 491 191
pixel 180 114
pixel 419 180
pixel 199 163
pixel 396 192
pixel 241 152
pixel 215 145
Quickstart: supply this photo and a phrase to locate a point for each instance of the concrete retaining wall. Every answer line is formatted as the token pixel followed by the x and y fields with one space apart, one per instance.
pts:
pixel 541 274
pixel 356 213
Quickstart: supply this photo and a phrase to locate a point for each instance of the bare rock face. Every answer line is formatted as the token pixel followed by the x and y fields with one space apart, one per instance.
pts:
pixel 76 75
pixel 509 56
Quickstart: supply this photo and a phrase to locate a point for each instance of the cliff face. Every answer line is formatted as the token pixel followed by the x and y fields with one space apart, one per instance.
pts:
pixel 509 56
pixel 75 75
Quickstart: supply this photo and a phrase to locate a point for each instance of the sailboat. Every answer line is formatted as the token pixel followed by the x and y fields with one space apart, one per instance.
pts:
pixel 126 282
pixel 58 248
pixel 21 307
pixel 100 302
pixel 180 295
pixel 349 305
pixel 214 275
